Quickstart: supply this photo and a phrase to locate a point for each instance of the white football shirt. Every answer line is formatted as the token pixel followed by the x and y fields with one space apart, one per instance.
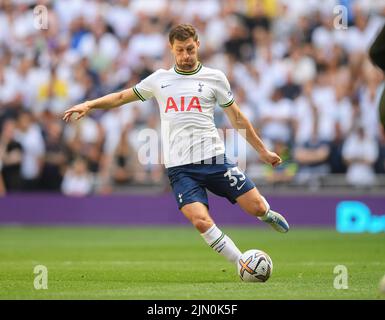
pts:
pixel 186 103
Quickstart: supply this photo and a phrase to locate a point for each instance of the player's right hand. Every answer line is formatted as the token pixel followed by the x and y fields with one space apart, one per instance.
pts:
pixel 82 109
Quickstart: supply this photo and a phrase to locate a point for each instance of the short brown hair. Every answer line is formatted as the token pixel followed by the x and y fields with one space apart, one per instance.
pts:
pixel 182 32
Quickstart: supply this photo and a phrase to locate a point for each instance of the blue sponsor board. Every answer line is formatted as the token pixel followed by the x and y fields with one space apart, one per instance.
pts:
pixel 356 217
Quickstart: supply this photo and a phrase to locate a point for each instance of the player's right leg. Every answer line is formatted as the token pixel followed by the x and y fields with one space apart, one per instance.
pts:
pixel 232 183
pixel 199 216
pixel 255 204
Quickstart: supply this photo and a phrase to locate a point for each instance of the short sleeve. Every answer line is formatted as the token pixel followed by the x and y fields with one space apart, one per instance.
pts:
pixel 224 94
pixel 145 88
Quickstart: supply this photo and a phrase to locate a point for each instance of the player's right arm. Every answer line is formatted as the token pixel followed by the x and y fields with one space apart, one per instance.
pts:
pixel 109 101
pixel 239 122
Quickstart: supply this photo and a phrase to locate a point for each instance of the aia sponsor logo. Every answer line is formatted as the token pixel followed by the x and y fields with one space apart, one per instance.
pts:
pixel 184 104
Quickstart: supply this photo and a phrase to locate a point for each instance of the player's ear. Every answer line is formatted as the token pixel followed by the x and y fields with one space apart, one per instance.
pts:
pixel 198 43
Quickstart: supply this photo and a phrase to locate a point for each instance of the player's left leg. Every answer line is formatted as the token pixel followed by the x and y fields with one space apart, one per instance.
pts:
pixel 255 204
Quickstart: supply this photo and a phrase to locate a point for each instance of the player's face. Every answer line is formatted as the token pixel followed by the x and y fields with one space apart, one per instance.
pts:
pixel 185 53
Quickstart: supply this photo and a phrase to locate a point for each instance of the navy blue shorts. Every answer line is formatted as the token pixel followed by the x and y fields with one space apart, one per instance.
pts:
pixel 223 178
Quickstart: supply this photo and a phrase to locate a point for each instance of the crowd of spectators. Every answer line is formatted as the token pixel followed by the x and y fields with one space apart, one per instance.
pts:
pixel 301 76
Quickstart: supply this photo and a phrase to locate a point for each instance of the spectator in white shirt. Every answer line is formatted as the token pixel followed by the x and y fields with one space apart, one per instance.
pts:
pixel 342 110
pixel 276 117
pixel 100 46
pixel 30 137
pixel 360 152
pixel 312 155
pixel 122 18
pixel 77 180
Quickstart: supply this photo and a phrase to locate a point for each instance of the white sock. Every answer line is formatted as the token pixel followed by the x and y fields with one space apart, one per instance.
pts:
pixel 267 213
pixel 221 243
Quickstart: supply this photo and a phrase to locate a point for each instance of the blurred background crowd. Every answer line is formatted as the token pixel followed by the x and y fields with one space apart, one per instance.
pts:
pixel 302 78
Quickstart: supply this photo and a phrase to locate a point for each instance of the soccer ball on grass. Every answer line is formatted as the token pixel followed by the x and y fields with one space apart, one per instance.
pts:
pixel 254 266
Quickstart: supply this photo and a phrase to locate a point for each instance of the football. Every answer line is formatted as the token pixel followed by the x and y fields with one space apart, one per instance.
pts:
pixel 255 266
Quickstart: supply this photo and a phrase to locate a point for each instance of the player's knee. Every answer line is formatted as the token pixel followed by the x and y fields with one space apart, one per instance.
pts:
pixel 201 223
pixel 260 206
pixel 257 207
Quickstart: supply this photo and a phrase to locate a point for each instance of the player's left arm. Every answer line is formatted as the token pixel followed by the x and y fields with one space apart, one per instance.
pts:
pixel 244 127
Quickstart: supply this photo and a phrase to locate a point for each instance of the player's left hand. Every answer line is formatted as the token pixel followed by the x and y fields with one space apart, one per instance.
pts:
pixel 270 157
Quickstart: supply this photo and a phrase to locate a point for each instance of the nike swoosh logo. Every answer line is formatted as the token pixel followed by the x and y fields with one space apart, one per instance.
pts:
pixel 240 187
pixel 165 86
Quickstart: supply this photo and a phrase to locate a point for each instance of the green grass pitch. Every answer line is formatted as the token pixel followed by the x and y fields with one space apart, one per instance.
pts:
pixel 175 263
